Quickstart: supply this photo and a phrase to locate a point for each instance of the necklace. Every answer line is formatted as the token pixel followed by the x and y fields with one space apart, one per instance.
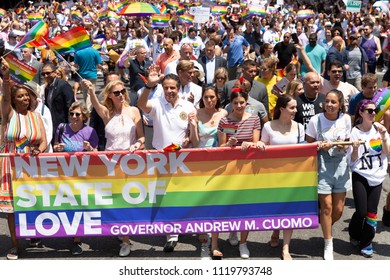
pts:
pixel 211 116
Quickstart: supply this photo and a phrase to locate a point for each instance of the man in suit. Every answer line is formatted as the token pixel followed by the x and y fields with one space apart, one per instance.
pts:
pixel 58 96
pixel 210 62
pixel 258 90
pixel 28 58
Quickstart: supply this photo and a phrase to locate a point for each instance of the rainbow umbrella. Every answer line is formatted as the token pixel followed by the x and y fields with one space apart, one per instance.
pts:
pixel 382 102
pixel 305 14
pixel 139 9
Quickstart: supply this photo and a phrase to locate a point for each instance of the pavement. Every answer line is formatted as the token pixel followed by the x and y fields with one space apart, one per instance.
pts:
pixel 305 244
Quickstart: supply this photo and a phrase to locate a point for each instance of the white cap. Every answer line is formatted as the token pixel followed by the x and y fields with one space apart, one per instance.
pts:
pixel 328 23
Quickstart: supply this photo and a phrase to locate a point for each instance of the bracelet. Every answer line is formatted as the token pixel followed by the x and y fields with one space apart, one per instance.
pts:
pixel 148 87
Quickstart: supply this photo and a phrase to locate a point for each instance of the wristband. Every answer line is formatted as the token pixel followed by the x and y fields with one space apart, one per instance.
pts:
pixel 148 87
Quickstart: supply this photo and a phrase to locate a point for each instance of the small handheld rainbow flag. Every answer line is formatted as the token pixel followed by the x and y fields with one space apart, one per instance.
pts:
pixel 272 10
pixel 103 15
pixel 186 19
pixel 173 5
pixel 19 10
pixel 305 14
pixel 34 17
pixel 181 10
pixel 218 10
pixel 2 13
pixel 73 40
pixel 77 16
pixel 160 20
pixel 382 102
pixel 22 142
pixel 172 148
pixel 163 9
pixel 20 71
pixel 224 2
pixel 33 37
pixel 230 128
pixel 257 11
pixel 56 6
pixel 113 16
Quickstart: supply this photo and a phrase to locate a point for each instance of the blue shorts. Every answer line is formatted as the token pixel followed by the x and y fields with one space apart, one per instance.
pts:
pixel 334 175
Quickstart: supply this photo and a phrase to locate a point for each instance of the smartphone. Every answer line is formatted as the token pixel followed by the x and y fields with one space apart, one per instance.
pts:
pixel 295 39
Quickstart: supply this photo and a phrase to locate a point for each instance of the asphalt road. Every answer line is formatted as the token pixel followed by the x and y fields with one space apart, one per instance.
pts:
pixel 305 245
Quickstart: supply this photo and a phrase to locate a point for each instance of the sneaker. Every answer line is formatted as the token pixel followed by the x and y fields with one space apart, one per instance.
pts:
pixel 35 243
pixel 233 239
pixel 354 242
pixel 244 252
pixel 76 248
pixel 13 254
pixel 328 250
pixel 367 252
pixel 125 250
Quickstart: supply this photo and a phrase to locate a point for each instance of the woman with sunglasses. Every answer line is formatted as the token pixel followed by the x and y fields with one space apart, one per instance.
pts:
pixel 23 132
pixel 369 170
pixel 334 179
pixel 123 126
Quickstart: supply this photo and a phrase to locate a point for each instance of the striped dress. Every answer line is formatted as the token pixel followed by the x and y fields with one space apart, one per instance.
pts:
pixel 242 130
pixel 20 135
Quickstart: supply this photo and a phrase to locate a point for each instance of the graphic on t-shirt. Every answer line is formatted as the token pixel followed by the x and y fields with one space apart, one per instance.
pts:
pixel 72 145
pixel 376 144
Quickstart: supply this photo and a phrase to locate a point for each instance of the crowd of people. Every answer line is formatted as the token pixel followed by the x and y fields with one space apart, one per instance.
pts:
pixel 280 78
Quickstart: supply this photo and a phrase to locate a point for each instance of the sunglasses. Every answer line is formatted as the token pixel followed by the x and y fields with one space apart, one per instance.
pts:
pixel 220 78
pixel 370 111
pixel 46 73
pixel 287 37
pixel 119 92
pixel 72 114
pixel 336 71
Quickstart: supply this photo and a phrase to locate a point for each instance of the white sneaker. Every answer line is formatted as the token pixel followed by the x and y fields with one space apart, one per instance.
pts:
pixel 244 252
pixel 233 239
pixel 328 250
pixel 125 250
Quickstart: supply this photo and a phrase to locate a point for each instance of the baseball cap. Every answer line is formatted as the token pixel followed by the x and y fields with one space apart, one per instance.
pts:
pixel 12 35
pixel 328 24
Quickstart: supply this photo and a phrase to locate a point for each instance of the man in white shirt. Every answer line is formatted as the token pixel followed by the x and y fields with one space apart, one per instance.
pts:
pixel 194 40
pixel 186 53
pixel 188 90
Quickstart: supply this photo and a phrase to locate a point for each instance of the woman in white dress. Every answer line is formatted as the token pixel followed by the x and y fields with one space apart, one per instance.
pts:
pixel 123 126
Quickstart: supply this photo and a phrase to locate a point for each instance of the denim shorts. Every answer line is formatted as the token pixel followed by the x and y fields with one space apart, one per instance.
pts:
pixel 334 175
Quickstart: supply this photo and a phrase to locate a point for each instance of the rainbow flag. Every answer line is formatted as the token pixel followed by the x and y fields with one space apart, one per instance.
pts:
pixel 34 37
pixel 186 19
pixel 218 10
pixel 34 17
pixel 382 102
pixel 224 2
pixel 195 191
pixel 245 14
pixel 73 40
pixel 56 7
pixel 77 16
pixel 272 10
pixel 19 10
pixel 2 13
pixel 113 16
pixel 163 9
pixel 103 15
pixel 172 148
pixel 173 5
pixel 181 10
pixel 257 11
pixel 305 14
pixel 160 20
pixel 20 71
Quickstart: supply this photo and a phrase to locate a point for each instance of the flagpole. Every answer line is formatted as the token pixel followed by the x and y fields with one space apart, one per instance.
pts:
pixel 63 59
pixel 17 47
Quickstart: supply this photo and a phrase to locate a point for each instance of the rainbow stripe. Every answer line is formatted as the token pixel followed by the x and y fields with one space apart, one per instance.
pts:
pixel 186 19
pixel 160 20
pixel 305 14
pixel 34 37
pixel 247 191
pixel 56 6
pixel 218 10
pixel 181 10
pixel 163 9
pixel 103 15
pixel 77 15
pixel 2 13
pixel 73 40
pixel 224 2
pixel 20 72
pixel 272 10
pixel 257 11
pixel 34 17
pixel 382 102
pixel 113 16
pixel 19 10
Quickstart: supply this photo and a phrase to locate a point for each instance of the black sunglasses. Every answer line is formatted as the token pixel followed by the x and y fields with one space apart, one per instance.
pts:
pixel 370 111
pixel 46 73
pixel 74 114
pixel 336 71
pixel 118 92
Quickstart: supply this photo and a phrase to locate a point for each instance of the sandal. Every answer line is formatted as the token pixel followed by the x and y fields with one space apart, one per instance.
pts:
pixel 274 242
pixel 203 238
pixel 216 254
pixel 13 254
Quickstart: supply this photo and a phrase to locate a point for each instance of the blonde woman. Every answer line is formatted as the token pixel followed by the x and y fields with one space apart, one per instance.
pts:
pixel 295 88
pixel 123 126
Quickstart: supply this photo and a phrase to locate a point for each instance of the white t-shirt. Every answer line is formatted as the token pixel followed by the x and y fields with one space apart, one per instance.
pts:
pixel 185 92
pixel 346 88
pixel 196 43
pixel 268 135
pixel 371 162
pixel 170 124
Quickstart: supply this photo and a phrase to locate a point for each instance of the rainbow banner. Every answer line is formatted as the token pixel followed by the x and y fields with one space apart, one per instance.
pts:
pixel 382 102
pixel 35 36
pixel 157 193
pixel 20 72
pixel 257 11
pixel 159 20
pixel 218 10
pixel 73 40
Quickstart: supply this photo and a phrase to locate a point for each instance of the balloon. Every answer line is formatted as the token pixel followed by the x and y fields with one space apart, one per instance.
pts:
pixel 382 102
